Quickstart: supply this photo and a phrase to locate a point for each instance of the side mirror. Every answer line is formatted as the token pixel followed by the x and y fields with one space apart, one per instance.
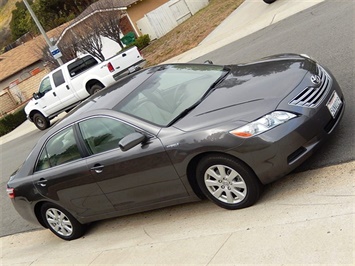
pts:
pixel 35 96
pixel 130 141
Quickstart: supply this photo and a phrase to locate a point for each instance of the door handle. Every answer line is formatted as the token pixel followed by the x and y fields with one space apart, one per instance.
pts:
pixel 54 94
pixel 98 168
pixel 42 182
pixel 68 87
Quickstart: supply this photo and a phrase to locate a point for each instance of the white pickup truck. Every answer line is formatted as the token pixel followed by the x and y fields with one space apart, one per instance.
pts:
pixel 69 84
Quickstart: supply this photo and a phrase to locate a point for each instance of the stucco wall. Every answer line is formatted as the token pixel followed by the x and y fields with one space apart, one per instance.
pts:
pixel 11 98
pixel 20 76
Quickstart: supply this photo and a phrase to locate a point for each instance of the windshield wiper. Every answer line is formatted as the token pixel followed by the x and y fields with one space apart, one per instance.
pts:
pixel 210 89
pixel 183 113
pixel 214 84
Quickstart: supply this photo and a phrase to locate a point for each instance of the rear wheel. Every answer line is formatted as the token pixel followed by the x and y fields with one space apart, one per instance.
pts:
pixel 61 222
pixel 228 182
pixel 95 88
pixel 40 121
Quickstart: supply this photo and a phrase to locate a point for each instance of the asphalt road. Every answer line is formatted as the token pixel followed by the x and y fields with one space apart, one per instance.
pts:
pixel 325 32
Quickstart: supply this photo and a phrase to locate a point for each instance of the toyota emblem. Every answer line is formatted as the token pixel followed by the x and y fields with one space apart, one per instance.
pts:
pixel 315 79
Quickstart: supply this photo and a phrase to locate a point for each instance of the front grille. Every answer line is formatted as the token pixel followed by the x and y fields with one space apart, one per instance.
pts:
pixel 311 96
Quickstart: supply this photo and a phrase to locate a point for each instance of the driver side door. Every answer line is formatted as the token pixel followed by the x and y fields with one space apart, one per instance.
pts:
pixel 141 178
pixel 48 101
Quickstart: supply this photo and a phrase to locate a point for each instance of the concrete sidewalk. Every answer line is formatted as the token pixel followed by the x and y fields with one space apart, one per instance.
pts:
pixel 305 218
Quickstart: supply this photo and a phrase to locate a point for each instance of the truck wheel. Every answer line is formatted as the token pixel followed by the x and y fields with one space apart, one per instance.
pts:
pixel 95 88
pixel 40 121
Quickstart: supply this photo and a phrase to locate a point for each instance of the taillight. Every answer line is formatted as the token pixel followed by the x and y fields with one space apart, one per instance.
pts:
pixel 10 192
pixel 110 67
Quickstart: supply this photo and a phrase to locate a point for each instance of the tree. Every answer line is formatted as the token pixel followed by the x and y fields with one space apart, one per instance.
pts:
pixel 90 43
pixel 20 22
pixel 51 14
pixel 108 21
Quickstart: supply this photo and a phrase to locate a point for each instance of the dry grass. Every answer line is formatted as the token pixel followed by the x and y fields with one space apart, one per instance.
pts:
pixel 190 33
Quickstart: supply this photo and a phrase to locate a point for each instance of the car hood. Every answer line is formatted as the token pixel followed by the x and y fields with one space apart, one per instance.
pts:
pixel 249 91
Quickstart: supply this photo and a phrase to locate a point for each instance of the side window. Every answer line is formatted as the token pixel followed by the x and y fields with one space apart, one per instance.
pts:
pixel 102 134
pixel 60 149
pixel 58 78
pixel 45 86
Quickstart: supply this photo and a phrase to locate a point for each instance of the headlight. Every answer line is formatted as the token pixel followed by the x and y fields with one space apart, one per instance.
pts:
pixel 263 124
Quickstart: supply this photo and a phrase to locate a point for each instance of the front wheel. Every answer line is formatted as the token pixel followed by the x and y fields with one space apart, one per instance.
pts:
pixel 61 222
pixel 228 182
pixel 40 121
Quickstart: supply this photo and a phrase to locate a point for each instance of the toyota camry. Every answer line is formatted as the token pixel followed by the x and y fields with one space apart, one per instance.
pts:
pixel 177 133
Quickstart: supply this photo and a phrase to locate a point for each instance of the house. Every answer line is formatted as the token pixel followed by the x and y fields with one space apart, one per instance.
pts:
pixel 21 68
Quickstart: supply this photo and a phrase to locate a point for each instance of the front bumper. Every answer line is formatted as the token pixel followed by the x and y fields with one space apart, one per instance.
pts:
pixel 277 152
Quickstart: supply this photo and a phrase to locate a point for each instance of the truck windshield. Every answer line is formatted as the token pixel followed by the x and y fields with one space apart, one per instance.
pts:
pixel 81 65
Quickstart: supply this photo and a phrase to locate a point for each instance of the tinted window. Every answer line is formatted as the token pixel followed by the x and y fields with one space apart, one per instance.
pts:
pixel 81 65
pixel 103 134
pixel 60 149
pixel 58 78
pixel 45 86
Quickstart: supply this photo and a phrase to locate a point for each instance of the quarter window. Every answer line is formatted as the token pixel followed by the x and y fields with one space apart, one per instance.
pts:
pixel 102 134
pixel 60 149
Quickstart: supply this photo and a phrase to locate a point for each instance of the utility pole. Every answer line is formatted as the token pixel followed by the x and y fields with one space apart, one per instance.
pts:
pixel 53 49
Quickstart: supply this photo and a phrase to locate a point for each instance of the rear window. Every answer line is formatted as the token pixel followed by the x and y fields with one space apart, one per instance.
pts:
pixel 81 65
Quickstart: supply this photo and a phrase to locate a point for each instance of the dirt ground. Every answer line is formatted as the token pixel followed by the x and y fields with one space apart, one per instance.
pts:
pixel 190 33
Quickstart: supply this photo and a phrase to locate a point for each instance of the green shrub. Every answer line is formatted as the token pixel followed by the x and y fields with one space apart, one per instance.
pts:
pixel 12 121
pixel 140 42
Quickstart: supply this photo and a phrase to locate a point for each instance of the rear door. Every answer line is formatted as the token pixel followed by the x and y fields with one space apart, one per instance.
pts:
pixel 62 176
pixel 63 90
pixel 135 179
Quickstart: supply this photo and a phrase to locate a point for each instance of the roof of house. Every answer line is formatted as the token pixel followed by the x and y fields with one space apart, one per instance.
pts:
pixel 25 55
pixel 104 5
pixel 99 6
pixel 29 53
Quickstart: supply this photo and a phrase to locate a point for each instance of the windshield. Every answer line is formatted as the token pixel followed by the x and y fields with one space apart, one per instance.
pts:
pixel 170 91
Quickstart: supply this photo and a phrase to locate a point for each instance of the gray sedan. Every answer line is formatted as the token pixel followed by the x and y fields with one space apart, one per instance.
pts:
pixel 177 133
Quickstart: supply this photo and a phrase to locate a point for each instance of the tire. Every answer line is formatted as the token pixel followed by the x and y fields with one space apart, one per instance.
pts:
pixel 269 1
pixel 95 88
pixel 228 182
pixel 61 222
pixel 40 121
